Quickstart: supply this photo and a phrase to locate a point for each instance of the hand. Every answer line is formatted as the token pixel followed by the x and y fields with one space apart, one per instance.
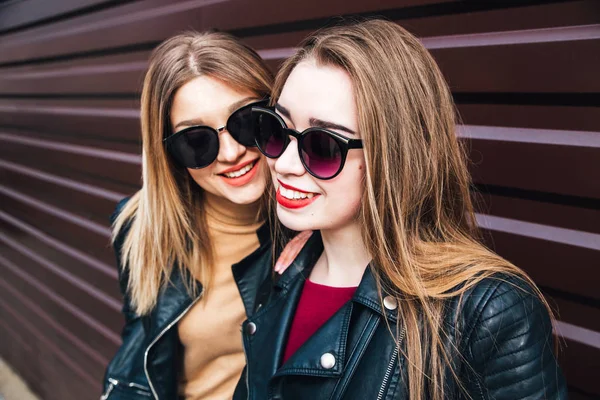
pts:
pixel 291 250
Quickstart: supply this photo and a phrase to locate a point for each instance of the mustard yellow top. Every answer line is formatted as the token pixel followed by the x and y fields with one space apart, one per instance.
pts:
pixel 213 356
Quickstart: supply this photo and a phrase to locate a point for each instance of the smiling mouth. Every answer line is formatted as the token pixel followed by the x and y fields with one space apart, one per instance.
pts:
pixel 292 198
pixel 240 172
pixel 294 194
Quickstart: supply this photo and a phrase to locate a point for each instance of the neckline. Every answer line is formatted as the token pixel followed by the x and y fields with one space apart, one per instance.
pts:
pixel 327 287
pixel 224 212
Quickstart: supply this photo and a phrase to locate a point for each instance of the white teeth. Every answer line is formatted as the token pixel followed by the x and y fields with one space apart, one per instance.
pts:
pixel 294 195
pixel 239 172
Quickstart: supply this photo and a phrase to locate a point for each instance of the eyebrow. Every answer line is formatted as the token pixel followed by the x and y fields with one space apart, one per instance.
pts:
pixel 233 107
pixel 329 125
pixel 315 121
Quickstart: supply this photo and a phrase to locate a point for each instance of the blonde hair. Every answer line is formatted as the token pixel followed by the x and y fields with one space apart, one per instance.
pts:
pixel 417 216
pixel 166 222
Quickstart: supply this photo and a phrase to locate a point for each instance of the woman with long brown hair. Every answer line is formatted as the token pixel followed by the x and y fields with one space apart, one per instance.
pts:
pixel 193 244
pixel 395 298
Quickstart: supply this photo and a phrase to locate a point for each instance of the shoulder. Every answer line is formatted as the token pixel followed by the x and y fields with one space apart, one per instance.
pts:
pixel 508 340
pixel 118 209
pixel 502 304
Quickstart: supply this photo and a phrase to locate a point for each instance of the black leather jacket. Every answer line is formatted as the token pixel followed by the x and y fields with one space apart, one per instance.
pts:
pixel 147 363
pixel 505 343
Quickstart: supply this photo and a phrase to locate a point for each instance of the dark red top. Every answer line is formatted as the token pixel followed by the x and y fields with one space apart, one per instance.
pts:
pixel 317 304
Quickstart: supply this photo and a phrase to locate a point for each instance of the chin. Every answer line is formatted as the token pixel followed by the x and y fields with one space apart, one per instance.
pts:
pixel 248 195
pixel 295 222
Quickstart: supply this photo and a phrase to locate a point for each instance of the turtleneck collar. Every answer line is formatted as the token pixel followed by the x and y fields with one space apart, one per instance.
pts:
pixel 224 215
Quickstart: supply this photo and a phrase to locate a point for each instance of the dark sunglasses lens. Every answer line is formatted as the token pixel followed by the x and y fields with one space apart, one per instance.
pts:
pixel 270 135
pixel 239 126
pixel 321 154
pixel 195 148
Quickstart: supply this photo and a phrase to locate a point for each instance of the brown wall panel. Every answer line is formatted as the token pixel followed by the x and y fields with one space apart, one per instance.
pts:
pixel 110 124
pixel 546 262
pixel 553 169
pixel 16 14
pixel 540 212
pixel 91 202
pixel 79 322
pixel 76 348
pixel 575 312
pixel 54 373
pixel 126 173
pixel 58 279
pixel 533 68
pixel 573 118
pixel 78 234
pixel 581 365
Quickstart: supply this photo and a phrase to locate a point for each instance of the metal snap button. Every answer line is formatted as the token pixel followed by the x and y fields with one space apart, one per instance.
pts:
pixel 390 302
pixel 327 361
pixel 251 328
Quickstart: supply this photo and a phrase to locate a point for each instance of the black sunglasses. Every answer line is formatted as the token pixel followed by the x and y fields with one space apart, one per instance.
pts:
pixel 322 151
pixel 198 146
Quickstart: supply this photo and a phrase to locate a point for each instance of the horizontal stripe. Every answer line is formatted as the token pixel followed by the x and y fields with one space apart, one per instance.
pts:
pixel 544 35
pixel 530 135
pixel 73 309
pixel 81 70
pixel 559 34
pixel 15 335
pixel 555 234
pixel 276 54
pixel 57 212
pixel 74 111
pixel 115 21
pixel 60 246
pixel 67 276
pixel 51 320
pixel 71 148
pixel 577 334
pixel 64 182
pixel 49 344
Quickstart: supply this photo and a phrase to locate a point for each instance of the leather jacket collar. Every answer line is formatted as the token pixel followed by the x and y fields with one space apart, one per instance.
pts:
pixel 335 337
pixel 160 356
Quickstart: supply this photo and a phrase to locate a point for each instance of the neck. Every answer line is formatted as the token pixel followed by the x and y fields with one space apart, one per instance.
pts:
pixel 344 257
pixel 223 211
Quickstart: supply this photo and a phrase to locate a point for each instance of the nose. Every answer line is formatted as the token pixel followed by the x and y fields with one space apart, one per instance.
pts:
pixel 289 162
pixel 229 149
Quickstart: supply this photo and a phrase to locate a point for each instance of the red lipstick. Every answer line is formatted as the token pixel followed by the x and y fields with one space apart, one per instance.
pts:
pixel 244 179
pixel 295 203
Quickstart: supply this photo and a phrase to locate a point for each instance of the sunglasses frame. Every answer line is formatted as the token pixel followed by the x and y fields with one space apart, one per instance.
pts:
pixel 344 142
pixel 169 139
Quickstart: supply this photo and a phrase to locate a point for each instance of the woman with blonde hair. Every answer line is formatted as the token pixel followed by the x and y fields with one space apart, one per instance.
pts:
pixel 193 244
pixel 395 298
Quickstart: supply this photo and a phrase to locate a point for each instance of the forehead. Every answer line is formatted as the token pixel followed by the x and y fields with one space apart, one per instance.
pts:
pixel 319 91
pixel 203 96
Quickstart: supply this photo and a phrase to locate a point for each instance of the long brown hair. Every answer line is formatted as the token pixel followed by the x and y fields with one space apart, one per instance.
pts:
pixel 167 225
pixel 417 215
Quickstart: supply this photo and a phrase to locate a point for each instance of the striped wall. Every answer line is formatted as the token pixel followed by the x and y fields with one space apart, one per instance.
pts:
pixel 524 75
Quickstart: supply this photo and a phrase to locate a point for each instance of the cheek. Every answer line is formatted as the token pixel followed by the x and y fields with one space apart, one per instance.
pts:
pixel 201 177
pixel 345 193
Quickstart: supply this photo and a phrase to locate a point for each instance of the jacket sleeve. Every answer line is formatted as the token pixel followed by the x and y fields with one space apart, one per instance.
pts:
pixel 133 327
pixel 127 311
pixel 510 344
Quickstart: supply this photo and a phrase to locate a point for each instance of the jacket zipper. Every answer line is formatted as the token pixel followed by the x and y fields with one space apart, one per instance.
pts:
pixel 156 339
pixel 114 383
pixel 390 367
